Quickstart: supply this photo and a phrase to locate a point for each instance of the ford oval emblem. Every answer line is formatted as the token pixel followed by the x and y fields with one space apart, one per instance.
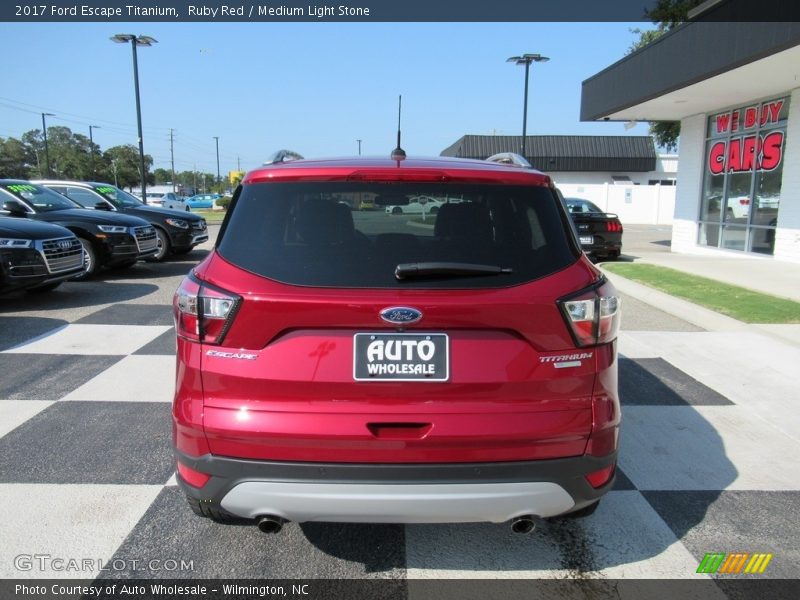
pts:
pixel 401 315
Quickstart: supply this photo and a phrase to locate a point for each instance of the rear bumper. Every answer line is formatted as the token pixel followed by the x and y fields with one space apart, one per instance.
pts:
pixel 603 246
pixel 397 493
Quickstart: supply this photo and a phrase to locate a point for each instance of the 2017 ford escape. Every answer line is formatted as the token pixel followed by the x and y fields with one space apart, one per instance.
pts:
pixel 360 366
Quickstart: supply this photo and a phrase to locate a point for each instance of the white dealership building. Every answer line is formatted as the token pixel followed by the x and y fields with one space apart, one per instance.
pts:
pixel 735 88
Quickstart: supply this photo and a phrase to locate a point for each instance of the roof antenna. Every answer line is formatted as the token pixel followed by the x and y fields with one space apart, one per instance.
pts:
pixel 398 153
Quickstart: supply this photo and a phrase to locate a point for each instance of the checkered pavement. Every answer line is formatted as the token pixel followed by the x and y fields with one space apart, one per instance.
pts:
pixel 708 463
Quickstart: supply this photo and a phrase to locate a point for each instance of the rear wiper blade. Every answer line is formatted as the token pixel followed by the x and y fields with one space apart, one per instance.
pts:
pixel 426 269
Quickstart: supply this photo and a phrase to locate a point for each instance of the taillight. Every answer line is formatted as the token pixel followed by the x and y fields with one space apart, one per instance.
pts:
pixel 203 313
pixel 592 315
pixel 614 226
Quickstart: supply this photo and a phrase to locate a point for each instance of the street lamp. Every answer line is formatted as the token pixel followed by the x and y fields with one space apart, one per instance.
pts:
pixel 526 59
pixel 46 151
pixel 359 147
pixel 91 145
pixel 141 40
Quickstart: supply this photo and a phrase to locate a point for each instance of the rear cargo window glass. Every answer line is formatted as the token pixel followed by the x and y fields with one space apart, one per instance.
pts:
pixel 356 234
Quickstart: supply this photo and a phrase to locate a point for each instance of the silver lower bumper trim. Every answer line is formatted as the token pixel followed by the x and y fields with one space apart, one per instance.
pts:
pixel 401 503
pixel 199 239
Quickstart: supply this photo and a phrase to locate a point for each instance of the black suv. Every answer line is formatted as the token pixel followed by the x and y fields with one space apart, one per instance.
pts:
pixel 107 239
pixel 177 232
pixel 37 256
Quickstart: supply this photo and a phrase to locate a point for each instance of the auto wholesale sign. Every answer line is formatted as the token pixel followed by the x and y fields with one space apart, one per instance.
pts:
pixel 747 139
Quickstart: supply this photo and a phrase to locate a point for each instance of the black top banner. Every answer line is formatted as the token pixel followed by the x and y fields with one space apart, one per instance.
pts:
pixel 381 11
pixel 319 10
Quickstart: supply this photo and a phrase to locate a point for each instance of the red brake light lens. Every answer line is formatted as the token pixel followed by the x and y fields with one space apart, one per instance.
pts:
pixel 614 226
pixel 592 315
pixel 192 477
pixel 203 313
pixel 599 478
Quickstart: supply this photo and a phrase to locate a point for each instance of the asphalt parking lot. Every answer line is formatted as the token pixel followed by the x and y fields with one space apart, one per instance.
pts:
pixel 707 461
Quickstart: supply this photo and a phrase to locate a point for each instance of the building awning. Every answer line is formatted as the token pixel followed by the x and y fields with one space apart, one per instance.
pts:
pixel 565 152
pixel 698 67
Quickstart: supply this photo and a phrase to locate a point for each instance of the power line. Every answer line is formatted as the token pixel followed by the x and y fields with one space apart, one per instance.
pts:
pixel 63 112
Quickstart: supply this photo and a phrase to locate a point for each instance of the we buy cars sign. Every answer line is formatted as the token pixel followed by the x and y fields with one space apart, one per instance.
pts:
pixel 741 154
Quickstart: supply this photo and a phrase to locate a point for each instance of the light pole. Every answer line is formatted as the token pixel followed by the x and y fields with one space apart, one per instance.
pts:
pixel 526 59
pixel 141 40
pixel 359 147
pixel 216 139
pixel 46 151
pixel 91 145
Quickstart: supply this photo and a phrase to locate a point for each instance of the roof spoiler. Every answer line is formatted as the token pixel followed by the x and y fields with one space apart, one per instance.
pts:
pixel 510 158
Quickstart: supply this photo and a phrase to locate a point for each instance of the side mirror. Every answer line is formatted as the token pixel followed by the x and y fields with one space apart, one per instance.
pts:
pixel 14 209
pixel 102 206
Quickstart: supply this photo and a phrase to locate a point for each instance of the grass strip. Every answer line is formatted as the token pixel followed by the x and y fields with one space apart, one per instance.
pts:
pixel 731 300
pixel 211 216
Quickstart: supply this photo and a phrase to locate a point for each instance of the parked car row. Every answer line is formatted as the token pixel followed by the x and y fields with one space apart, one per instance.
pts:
pixel 161 198
pixel 56 230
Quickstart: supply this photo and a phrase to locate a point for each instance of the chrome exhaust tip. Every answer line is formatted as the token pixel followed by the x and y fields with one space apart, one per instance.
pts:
pixel 269 524
pixel 524 524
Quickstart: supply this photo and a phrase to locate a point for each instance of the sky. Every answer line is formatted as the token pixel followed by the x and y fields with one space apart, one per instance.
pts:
pixel 314 88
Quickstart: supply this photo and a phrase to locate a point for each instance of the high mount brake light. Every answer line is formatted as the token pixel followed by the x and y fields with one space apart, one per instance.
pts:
pixel 203 313
pixel 417 175
pixel 592 315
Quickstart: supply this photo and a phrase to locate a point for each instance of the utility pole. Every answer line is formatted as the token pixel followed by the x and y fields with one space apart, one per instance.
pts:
pixel 359 147
pixel 91 146
pixel 46 150
pixel 172 157
pixel 216 139
pixel 238 163
pixel 194 173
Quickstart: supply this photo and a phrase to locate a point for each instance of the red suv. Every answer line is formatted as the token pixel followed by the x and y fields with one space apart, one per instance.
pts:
pixel 343 364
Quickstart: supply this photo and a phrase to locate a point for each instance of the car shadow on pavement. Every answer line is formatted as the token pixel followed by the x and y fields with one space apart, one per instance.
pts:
pixel 379 547
pixel 667 447
pixel 76 294
pixel 194 256
pixel 16 330
pixel 147 270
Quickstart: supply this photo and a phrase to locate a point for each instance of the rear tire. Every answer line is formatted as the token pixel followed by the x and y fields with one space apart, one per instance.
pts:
pixel 209 511
pixel 397 210
pixel 90 256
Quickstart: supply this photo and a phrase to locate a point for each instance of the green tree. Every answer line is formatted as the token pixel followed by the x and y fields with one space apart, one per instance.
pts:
pixel 34 144
pixel 123 166
pixel 162 176
pixel 16 160
pixel 665 15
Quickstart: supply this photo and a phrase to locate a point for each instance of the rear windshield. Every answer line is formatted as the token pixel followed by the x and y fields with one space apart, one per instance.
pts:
pixel 356 234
